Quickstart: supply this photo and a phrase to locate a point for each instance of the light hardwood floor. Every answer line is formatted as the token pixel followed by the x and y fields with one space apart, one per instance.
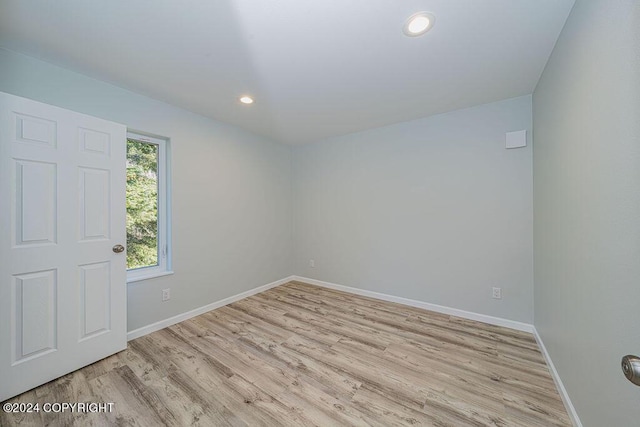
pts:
pixel 303 355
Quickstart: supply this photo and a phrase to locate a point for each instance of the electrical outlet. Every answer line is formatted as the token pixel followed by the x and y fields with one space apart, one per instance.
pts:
pixel 312 263
pixel 166 294
pixel 497 293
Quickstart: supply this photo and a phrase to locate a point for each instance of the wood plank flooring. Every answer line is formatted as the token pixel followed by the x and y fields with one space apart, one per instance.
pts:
pixel 304 355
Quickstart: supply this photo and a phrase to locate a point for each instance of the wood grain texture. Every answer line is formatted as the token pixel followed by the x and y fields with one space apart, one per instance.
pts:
pixel 304 355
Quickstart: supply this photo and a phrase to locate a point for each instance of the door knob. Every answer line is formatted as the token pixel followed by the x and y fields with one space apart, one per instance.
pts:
pixel 118 248
pixel 631 368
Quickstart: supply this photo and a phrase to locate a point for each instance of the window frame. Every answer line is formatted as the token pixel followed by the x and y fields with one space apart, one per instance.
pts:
pixel 163 267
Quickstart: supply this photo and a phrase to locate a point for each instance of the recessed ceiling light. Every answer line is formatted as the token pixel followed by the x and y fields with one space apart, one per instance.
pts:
pixel 418 24
pixel 246 100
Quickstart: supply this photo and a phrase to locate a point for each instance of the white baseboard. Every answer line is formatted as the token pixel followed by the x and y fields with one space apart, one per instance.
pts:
pixel 556 379
pixel 498 321
pixel 136 333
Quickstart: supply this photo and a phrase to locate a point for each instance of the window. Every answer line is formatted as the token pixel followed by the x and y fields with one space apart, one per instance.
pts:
pixel 148 250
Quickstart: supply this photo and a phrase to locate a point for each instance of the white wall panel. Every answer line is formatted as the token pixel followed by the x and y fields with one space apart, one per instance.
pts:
pixel 434 210
pixel 586 154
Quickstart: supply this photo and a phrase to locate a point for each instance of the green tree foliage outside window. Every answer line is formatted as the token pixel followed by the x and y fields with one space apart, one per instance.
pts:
pixel 142 204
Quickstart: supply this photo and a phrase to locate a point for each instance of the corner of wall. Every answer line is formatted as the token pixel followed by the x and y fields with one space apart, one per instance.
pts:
pixel 564 395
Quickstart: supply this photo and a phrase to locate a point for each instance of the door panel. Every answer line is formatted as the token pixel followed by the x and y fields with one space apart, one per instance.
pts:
pixel 62 288
pixel 35 130
pixel 95 302
pixel 94 204
pixel 96 142
pixel 34 314
pixel 35 202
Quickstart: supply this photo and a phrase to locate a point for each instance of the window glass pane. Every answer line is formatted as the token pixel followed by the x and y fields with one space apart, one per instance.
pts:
pixel 142 204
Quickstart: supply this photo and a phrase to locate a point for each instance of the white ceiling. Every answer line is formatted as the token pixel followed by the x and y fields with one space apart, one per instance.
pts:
pixel 317 68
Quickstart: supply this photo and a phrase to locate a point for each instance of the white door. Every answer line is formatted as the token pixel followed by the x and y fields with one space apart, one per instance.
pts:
pixel 62 210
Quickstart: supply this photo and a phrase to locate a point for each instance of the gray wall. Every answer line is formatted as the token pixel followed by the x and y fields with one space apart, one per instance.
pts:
pixel 586 111
pixel 434 209
pixel 231 190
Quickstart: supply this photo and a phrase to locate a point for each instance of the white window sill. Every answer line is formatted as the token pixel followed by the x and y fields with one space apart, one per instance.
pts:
pixel 147 276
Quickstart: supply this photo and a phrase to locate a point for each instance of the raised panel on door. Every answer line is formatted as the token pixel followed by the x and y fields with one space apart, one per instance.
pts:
pixel 94 142
pixel 95 299
pixel 94 202
pixel 34 312
pixel 35 130
pixel 35 212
